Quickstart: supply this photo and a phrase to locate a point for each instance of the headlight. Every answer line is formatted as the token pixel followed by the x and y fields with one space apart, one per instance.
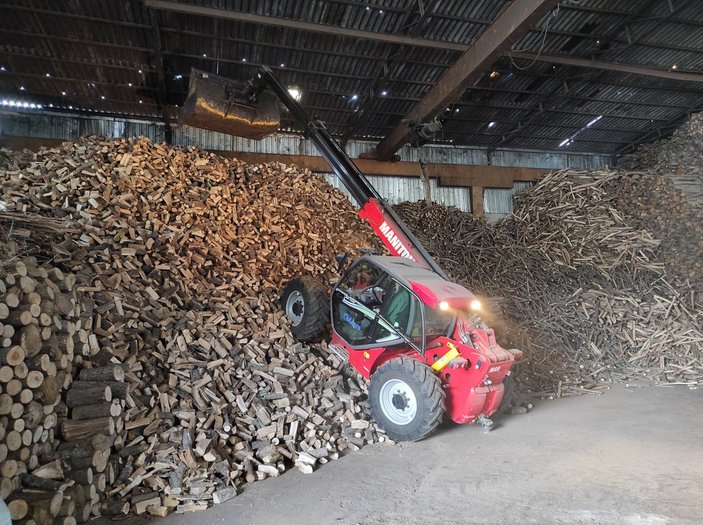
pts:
pixel 475 304
pixel 444 306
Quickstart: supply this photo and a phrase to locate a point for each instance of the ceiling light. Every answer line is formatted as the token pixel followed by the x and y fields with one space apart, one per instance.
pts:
pixel 594 121
pixel 48 75
pixel 102 97
pixel 140 71
pixel 675 66
pixel 384 93
pixel 491 124
pixel 140 101
pixel 296 93
pixel 495 74
pixel 204 55
pixel 129 84
pixel 456 110
pixel 282 65
pixel 177 77
pixel 368 8
pixel 564 143
pixel 244 59
pixel 380 12
pixel 2 68
pixel 22 88
pixel 355 97
pixel 19 104
pixel 70 107
pixel 63 93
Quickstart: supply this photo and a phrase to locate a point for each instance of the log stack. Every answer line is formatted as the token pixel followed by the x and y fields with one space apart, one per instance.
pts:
pixel 39 317
pixel 186 382
pixel 678 158
pixel 581 281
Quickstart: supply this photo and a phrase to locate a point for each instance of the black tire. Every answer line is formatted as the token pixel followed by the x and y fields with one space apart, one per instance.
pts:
pixel 308 298
pixel 508 390
pixel 428 393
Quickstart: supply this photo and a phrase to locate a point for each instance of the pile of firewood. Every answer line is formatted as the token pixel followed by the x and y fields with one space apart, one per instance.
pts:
pixel 679 157
pixel 577 279
pixel 183 381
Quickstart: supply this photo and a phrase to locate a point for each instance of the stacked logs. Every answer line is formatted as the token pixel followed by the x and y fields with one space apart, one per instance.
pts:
pixel 39 318
pixel 652 203
pixel 578 282
pixel 678 158
pixel 179 258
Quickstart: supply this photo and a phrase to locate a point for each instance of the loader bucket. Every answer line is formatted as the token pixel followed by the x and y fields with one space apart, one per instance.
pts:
pixel 219 104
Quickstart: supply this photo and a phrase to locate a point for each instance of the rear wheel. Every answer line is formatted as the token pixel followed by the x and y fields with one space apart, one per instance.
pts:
pixel 306 306
pixel 407 399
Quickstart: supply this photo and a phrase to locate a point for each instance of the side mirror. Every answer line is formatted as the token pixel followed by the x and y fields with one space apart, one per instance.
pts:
pixel 342 260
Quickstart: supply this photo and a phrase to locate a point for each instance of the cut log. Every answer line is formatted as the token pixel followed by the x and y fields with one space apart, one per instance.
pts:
pixel 12 356
pixel 83 393
pixel 106 373
pixel 74 430
pixel 29 338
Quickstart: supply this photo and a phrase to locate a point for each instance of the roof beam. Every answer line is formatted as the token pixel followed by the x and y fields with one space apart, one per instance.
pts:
pixel 73 80
pixel 612 66
pixel 82 42
pixel 508 27
pixel 238 16
pixel 75 16
pixel 70 60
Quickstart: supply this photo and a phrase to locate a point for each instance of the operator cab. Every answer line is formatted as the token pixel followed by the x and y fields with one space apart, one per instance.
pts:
pixel 375 304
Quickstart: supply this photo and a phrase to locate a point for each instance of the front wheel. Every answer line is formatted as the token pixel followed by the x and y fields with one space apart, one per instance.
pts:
pixel 508 390
pixel 407 399
pixel 306 306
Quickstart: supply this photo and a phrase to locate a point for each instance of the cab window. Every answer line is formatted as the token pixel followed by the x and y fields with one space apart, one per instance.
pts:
pixel 353 303
pixel 360 276
pixel 401 309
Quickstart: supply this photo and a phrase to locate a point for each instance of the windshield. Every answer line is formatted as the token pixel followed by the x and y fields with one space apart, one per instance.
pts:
pixel 438 322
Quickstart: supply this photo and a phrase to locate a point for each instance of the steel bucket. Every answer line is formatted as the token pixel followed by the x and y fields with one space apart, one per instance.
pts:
pixel 220 104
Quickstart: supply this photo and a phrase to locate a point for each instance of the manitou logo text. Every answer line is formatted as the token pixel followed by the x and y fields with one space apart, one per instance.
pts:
pixel 396 243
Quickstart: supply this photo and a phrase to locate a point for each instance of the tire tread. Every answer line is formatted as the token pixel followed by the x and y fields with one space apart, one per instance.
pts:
pixel 432 397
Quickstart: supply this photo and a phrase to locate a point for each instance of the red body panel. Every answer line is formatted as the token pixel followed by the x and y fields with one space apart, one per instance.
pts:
pixel 470 391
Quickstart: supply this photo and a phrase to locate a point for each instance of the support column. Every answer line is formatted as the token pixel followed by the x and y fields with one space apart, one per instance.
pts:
pixel 477 201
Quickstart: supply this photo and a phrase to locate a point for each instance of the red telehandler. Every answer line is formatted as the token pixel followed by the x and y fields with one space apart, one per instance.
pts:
pixel 416 336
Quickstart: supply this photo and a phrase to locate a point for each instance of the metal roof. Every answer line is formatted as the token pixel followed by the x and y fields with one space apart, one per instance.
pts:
pixel 103 57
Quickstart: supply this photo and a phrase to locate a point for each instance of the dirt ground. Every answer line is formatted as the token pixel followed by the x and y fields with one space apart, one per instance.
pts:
pixel 630 456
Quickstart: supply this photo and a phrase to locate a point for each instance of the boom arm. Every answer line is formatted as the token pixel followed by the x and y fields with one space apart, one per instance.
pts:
pixel 393 232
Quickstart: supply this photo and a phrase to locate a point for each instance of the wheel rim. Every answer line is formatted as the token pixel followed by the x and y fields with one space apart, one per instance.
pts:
pixel 295 308
pixel 398 402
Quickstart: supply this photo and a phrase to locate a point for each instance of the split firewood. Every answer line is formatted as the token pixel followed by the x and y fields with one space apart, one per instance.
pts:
pixel 165 334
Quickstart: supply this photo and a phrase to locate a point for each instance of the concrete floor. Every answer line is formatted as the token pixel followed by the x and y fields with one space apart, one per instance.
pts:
pixel 627 457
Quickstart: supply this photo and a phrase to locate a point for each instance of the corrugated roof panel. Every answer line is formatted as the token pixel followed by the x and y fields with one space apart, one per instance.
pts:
pixel 120 34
